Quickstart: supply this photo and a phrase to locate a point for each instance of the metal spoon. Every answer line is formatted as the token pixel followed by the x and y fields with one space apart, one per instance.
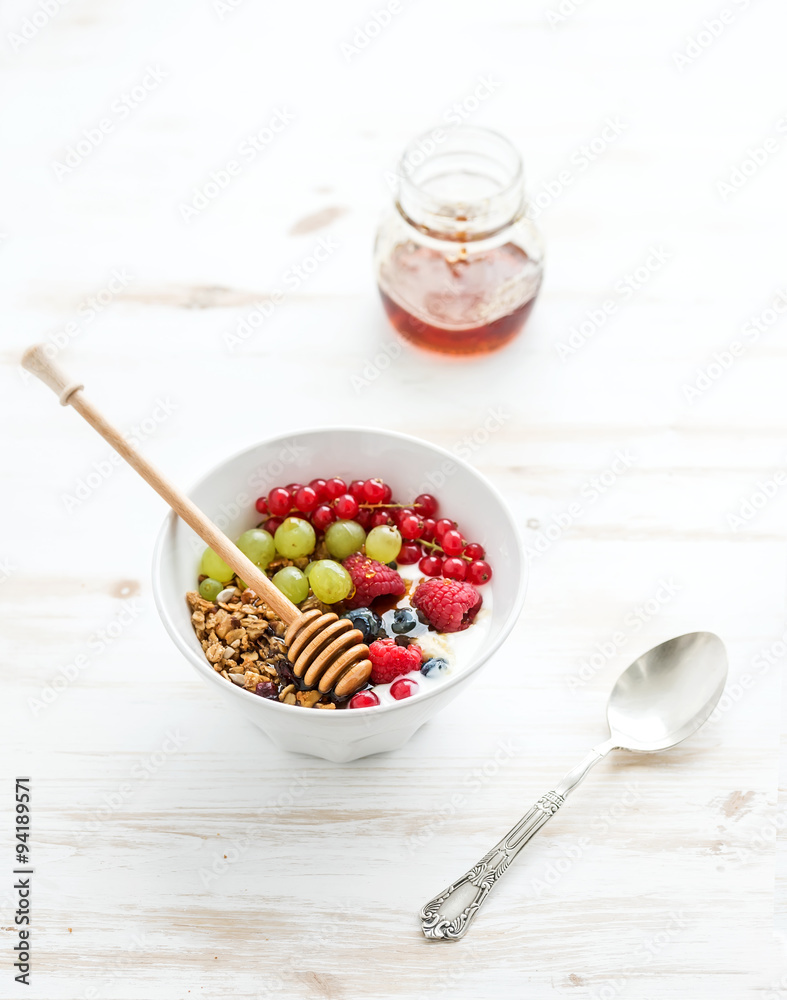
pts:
pixel 662 698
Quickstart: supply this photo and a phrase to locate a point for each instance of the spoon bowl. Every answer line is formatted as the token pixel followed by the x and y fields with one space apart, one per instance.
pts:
pixel 668 693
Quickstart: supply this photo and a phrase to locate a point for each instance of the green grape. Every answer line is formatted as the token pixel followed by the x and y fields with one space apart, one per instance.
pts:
pixel 210 589
pixel 310 567
pixel 383 543
pixel 292 583
pixel 330 581
pixel 342 538
pixel 295 538
pixel 214 566
pixel 257 544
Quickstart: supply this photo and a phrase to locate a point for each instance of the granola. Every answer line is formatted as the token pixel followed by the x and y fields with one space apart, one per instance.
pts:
pixel 243 640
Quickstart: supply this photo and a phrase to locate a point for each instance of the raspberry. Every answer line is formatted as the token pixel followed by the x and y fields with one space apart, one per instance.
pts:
pixel 390 661
pixel 448 605
pixel 372 579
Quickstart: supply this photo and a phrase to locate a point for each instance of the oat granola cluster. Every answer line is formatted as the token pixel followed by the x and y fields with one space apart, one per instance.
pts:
pixel 243 641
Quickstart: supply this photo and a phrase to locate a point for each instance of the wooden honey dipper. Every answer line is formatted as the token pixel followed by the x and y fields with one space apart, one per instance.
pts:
pixel 326 652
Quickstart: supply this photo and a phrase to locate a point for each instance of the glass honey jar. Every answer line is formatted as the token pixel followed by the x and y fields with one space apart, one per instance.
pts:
pixel 458 262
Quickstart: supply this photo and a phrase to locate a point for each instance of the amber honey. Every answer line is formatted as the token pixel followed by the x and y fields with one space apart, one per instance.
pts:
pixel 458 261
pixel 462 303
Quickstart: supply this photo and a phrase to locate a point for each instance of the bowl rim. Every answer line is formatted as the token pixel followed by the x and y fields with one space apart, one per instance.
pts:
pixel 202 665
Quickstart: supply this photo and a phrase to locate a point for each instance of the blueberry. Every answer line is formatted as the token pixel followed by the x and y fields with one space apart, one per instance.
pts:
pixel 367 621
pixel 437 665
pixel 403 621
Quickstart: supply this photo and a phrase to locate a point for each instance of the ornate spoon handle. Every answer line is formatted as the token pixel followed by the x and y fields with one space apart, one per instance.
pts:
pixel 474 886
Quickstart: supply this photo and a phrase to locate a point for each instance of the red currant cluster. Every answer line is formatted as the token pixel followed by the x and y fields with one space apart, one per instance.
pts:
pixel 436 545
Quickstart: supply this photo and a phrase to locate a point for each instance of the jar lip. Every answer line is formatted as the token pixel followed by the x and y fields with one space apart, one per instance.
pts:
pixel 430 174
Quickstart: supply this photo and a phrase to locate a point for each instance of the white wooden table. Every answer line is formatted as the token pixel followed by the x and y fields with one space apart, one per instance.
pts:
pixel 657 880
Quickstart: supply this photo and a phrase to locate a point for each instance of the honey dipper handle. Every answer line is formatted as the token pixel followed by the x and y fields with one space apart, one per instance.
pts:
pixel 35 360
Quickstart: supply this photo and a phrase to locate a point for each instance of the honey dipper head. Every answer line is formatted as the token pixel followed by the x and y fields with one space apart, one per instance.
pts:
pixel 327 653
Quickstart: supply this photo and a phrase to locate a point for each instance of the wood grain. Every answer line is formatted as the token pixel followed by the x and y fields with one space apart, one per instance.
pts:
pixel 177 853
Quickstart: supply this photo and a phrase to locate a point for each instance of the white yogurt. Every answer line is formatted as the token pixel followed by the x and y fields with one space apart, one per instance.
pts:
pixel 458 648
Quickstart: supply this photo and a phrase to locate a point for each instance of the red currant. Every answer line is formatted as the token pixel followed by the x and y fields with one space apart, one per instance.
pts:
pixel 431 565
pixel 293 488
pixel 262 505
pixel 452 543
pixel 364 518
pixel 374 490
pixel 409 553
pixel 320 488
pixel 426 505
pixel 298 513
pixel 364 699
pixel 410 526
pixel 400 513
pixel 356 490
pixel 403 688
pixel 387 493
pixel 272 524
pixel 279 502
pixel 427 529
pixel 455 568
pixel 335 488
pixel 346 507
pixel 479 572
pixel 443 525
pixel 323 516
pixel 380 517
pixel 307 498
pixel 474 551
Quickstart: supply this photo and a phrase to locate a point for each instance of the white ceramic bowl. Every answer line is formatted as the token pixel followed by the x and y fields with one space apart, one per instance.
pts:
pixel 227 494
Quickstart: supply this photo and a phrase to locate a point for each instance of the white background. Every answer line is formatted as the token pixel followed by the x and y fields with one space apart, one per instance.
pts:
pixel 676 898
